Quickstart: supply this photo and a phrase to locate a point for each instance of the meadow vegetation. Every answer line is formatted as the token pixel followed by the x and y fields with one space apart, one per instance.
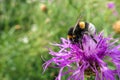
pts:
pixel 27 27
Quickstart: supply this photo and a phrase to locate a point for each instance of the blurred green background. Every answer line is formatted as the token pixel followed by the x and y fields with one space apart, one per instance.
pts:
pixel 27 27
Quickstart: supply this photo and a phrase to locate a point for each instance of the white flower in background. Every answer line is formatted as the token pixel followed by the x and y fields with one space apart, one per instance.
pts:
pixel 47 20
pixel 34 28
pixel 25 40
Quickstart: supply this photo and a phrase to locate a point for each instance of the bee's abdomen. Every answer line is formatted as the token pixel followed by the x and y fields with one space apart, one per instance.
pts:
pixel 91 29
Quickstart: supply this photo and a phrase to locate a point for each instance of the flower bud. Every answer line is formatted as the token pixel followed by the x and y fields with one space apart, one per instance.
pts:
pixel 116 26
pixel 43 7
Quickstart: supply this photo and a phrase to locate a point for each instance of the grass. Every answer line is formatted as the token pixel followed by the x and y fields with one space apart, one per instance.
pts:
pixel 26 31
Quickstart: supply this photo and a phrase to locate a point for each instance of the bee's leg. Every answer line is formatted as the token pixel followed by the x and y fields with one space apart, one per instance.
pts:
pixel 80 41
pixel 81 45
pixel 93 38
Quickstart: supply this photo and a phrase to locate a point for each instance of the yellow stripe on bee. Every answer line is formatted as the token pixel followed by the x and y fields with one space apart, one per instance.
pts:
pixel 82 25
pixel 69 36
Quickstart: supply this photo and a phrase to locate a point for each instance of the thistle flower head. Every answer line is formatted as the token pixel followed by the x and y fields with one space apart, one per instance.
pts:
pixel 111 5
pixel 79 63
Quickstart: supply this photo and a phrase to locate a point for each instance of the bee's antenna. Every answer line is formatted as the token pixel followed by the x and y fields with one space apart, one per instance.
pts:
pixel 78 20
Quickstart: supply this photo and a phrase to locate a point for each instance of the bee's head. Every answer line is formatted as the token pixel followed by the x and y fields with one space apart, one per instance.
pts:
pixel 81 25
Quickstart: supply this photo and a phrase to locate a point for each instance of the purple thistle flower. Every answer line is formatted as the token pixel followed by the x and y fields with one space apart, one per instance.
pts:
pixel 89 61
pixel 111 5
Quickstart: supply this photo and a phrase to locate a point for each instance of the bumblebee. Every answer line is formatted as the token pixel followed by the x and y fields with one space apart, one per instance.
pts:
pixel 75 34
